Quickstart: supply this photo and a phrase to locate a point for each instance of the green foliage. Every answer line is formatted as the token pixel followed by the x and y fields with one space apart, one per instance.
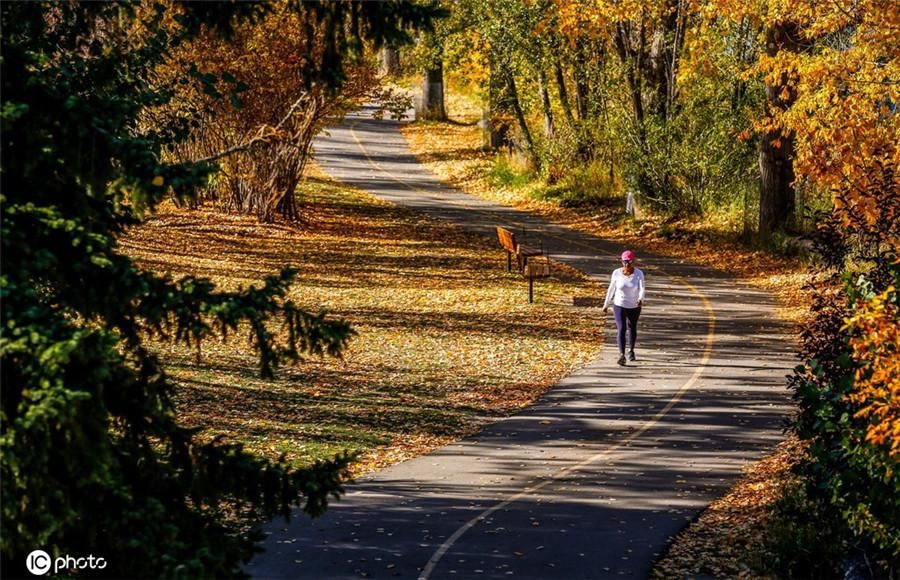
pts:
pixel 693 161
pixel 504 174
pixel 850 480
pixel 807 540
pixel 94 460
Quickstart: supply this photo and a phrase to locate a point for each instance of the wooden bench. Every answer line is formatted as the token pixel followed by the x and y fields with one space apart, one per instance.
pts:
pixel 522 252
pixel 538 267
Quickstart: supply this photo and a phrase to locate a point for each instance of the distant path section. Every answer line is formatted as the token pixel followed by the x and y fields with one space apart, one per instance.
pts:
pixel 595 478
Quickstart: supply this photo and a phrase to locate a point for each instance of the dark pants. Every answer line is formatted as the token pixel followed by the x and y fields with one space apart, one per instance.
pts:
pixel 629 316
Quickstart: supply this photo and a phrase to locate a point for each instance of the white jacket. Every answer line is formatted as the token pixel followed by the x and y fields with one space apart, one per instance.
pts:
pixel 625 291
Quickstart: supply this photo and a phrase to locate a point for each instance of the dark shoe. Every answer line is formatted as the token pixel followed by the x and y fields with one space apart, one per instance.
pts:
pixel 622 360
pixel 631 355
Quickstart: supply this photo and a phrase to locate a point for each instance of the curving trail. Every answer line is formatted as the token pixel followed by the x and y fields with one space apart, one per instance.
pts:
pixel 596 477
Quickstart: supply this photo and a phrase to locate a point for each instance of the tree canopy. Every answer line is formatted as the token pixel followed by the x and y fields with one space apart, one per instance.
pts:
pixel 94 460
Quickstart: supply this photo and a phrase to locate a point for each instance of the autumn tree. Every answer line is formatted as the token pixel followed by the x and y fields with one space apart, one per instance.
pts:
pixel 506 34
pixel 258 115
pixel 663 92
pixel 776 146
pixel 94 459
pixel 843 117
pixel 647 38
pixel 262 112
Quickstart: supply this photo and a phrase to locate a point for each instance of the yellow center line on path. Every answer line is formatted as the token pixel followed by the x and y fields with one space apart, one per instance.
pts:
pixel 564 472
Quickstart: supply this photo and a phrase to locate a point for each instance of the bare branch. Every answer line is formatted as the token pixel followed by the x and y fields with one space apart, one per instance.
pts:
pixel 264 133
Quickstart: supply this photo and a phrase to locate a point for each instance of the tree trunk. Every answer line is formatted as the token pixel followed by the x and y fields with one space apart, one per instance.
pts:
pixel 632 58
pixel 520 117
pixel 561 88
pixel 549 126
pixel 582 89
pixel 389 61
pixel 776 192
pixel 746 55
pixel 776 149
pixel 663 59
pixel 497 126
pixel 433 94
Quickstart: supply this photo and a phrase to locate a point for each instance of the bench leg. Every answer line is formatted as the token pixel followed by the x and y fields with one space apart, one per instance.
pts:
pixel 509 261
pixel 530 290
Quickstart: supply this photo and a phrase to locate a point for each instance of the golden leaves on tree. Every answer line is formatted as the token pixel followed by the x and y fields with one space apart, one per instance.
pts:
pixel 876 347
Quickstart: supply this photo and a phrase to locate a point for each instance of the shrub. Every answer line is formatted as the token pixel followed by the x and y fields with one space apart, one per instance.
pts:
pixel 585 186
pixel 504 174
pixel 847 394
pixel 805 538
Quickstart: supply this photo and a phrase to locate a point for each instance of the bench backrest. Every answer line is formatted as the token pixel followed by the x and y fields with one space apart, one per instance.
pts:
pixel 507 239
pixel 538 267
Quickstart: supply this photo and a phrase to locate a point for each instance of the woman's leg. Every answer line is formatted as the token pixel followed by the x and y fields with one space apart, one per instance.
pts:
pixel 620 326
pixel 632 314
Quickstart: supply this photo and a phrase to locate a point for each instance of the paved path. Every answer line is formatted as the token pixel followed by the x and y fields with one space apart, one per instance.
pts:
pixel 594 479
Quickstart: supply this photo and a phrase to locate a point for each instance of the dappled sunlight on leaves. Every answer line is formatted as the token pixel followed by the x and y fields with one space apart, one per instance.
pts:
pixel 446 337
pixel 454 154
pixel 733 528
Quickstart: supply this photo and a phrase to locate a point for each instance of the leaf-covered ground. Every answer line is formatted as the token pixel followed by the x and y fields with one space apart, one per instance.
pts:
pixel 727 540
pixel 454 153
pixel 446 338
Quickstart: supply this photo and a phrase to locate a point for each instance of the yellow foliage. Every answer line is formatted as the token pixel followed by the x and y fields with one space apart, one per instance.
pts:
pixel 844 80
pixel 845 118
pixel 876 346
pixel 595 17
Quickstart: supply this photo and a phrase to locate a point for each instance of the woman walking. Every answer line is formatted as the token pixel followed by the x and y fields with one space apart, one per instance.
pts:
pixel 626 294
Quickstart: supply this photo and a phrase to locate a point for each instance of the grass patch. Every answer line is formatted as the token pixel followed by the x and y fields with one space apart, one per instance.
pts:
pixel 503 174
pixel 447 340
pixel 569 194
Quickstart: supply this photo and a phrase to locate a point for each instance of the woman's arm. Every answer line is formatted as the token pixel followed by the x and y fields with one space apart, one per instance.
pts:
pixel 641 289
pixel 611 291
